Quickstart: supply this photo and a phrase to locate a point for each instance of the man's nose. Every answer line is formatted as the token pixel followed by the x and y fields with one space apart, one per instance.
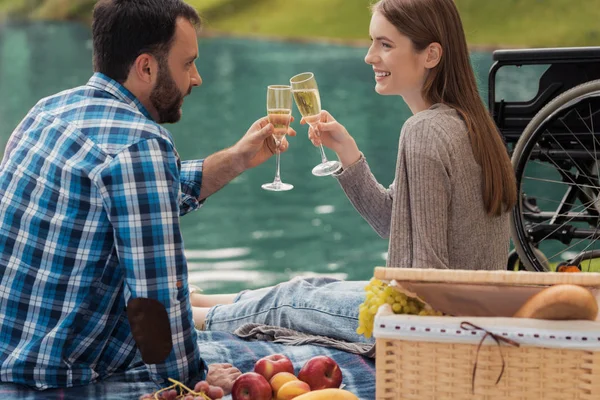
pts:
pixel 196 78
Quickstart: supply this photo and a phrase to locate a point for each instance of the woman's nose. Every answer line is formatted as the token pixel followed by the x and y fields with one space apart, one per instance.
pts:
pixel 370 57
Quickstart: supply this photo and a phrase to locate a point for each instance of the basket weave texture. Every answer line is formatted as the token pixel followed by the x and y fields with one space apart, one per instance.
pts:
pixel 440 371
pixel 426 370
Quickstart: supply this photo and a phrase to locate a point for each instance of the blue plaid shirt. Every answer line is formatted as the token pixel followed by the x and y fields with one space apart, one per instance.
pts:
pixel 91 191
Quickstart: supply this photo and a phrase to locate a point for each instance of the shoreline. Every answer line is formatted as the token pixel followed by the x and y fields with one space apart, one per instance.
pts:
pixel 359 43
pixel 214 33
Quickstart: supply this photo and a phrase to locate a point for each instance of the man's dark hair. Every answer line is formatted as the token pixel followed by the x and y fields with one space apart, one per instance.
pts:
pixel 124 29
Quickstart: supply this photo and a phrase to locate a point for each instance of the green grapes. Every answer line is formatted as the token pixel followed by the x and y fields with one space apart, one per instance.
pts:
pixel 379 293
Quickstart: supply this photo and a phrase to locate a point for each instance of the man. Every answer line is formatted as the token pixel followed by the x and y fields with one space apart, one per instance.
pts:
pixel 92 268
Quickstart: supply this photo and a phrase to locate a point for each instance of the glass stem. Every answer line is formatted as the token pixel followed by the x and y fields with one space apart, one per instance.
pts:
pixel 321 149
pixel 323 156
pixel 277 158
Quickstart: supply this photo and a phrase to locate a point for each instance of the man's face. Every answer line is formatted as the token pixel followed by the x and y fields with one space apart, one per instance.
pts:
pixel 177 74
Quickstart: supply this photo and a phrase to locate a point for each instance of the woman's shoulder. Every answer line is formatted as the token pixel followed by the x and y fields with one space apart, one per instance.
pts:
pixel 438 116
pixel 440 122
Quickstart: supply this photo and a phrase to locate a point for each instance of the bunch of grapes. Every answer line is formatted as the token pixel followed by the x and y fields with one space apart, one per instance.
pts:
pixel 379 293
pixel 178 391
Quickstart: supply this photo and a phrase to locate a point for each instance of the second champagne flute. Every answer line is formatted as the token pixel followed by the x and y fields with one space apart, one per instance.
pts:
pixel 306 94
pixel 279 110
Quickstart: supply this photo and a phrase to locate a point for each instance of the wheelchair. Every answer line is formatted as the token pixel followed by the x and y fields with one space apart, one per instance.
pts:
pixel 554 144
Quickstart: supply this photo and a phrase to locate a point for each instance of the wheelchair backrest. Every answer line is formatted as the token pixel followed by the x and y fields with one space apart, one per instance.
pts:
pixel 568 67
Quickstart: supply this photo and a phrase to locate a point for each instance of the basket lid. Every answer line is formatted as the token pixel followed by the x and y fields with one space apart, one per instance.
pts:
pixel 589 279
pixel 481 293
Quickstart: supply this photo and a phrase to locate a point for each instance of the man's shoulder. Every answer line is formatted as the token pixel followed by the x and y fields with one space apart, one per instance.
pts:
pixel 110 123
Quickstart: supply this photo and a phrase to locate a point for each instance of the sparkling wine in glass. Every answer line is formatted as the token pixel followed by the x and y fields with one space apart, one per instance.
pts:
pixel 279 111
pixel 306 94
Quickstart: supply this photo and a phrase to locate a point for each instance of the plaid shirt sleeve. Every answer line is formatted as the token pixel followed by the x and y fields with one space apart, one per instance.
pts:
pixel 191 178
pixel 141 193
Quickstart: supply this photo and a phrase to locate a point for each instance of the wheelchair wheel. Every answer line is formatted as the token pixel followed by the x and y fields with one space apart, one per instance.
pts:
pixel 515 264
pixel 557 168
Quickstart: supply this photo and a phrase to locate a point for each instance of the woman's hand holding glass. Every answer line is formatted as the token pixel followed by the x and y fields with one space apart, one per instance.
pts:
pixel 333 135
pixel 306 94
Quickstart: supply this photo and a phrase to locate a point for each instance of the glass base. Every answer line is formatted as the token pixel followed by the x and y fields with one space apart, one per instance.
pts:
pixel 277 186
pixel 327 168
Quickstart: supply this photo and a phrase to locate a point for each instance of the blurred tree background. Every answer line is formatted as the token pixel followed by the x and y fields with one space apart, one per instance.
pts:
pixel 488 23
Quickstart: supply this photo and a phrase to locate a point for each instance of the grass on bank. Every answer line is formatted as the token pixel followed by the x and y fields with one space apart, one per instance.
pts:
pixel 518 23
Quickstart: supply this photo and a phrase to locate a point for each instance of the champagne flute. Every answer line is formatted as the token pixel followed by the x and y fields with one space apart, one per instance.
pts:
pixel 279 111
pixel 306 94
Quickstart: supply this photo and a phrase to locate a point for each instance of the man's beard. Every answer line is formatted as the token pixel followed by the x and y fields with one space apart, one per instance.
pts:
pixel 166 97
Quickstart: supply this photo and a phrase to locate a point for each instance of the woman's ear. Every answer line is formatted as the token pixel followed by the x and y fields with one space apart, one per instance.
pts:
pixel 434 55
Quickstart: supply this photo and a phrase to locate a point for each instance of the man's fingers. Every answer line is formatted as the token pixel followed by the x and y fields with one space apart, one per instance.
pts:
pixel 266 131
pixel 284 145
pixel 261 123
pixel 223 365
pixel 291 132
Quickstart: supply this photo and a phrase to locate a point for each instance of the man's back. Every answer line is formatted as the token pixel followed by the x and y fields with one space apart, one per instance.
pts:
pixel 62 283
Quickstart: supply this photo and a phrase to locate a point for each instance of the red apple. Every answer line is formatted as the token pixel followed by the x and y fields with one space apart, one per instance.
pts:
pixel 251 386
pixel 273 364
pixel 321 372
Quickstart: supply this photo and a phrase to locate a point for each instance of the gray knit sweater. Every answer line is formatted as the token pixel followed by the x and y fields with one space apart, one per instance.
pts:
pixel 433 212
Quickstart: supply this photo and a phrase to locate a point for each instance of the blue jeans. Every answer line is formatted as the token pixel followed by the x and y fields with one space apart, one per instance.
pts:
pixel 317 306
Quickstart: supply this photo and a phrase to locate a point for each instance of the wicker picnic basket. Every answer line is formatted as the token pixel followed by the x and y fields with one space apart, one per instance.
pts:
pixel 465 357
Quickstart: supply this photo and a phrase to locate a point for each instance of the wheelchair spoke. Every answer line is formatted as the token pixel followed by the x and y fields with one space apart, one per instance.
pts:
pixel 571 215
pixel 555 167
pixel 571 246
pixel 557 164
pixel 579 185
pixel 567 153
pixel 549 200
pixel 562 120
pixel 593 242
pixel 563 225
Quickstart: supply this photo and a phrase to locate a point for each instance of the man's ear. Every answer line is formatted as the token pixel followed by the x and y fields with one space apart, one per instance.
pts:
pixel 145 68
pixel 434 55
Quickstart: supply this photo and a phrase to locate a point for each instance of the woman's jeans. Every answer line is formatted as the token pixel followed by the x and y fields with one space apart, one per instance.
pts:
pixel 317 306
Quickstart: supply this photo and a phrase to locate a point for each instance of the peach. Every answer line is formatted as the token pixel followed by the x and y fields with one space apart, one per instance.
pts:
pixel 273 364
pixel 292 389
pixel 279 379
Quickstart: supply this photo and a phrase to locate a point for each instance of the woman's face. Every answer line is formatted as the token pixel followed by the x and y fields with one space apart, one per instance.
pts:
pixel 399 68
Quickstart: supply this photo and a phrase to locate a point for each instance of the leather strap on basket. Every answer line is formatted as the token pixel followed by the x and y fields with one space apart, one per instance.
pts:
pixel 467 326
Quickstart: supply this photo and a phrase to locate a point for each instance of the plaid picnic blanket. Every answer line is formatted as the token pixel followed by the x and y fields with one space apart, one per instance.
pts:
pixel 215 347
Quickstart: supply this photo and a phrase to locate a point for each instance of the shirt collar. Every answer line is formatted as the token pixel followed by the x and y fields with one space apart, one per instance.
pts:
pixel 109 85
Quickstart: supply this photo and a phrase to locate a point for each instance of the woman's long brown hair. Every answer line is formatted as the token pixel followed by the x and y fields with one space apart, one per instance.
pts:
pixel 452 82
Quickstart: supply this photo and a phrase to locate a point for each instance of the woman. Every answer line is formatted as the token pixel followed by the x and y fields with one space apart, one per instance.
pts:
pixel 449 204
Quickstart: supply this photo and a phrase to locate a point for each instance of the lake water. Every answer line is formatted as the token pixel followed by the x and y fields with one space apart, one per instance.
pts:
pixel 245 237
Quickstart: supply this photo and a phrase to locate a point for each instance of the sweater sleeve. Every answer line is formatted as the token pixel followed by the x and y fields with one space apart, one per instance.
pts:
pixel 369 198
pixel 427 163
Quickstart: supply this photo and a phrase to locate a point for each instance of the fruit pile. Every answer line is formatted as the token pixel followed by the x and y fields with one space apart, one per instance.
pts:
pixel 273 379
pixel 379 293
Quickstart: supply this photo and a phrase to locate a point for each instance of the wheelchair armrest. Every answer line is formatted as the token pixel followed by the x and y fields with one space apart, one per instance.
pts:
pixel 547 56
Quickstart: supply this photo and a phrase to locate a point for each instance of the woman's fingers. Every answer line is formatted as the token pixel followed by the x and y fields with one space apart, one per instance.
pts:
pixel 314 138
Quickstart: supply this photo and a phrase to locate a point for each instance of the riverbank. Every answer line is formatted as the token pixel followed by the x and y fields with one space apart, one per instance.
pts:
pixel 488 25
